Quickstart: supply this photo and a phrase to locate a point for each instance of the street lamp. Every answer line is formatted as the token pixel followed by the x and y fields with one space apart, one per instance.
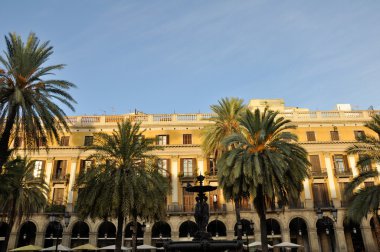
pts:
pixel 54 218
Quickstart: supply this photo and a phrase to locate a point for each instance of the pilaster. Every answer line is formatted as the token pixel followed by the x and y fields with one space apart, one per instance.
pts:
pixel 330 175
pixel 174 178
pixel 92 238
pixel 71 184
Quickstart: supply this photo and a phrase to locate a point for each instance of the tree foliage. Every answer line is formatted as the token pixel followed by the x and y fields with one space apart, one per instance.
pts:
pixel 263 160
pixel 28 99
pixel 125 180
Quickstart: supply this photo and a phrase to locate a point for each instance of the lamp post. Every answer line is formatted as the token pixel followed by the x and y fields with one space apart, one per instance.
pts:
pixel 54 218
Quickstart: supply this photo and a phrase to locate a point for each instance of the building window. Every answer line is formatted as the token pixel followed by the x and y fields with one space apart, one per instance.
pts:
pixel 188 201
pixel 343 195
pixel 38 168
pixel 212 167
pixel 85 165
pixel 88 140
pixel 365 163
pixel 334 135
pixel 310 136
pixel 64 141
pixel 188 166
pixel 340 163
pixel 315 164
pixel 321 195
pixel 163 165
pixel 162 139
pixel 60 169
pixel 187 139
pixel 359 135
pixel 58 196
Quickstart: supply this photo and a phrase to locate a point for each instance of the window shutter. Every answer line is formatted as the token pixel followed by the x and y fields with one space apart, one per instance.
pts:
pixel 333 159
pixel 195 167
pixel 168 142
pixel 345 160
pixel 181 165
pixel 64 166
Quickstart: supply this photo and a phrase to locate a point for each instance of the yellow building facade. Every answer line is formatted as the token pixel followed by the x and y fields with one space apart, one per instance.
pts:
pixel 324 134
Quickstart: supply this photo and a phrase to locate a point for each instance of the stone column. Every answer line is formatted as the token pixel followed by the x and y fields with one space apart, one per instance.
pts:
pixel 40 239
pixel 12 241
pixel 340 239
pixel 369 243
pixel 313 240
pixel 92 238
pixel 331 181
pixel 285 235
pixel 175 235
pixel 66 238
pixel 174 177
pixel 230 234
pixel 148 237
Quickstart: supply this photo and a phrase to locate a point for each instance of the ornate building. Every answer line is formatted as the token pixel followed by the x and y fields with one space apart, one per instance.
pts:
pixel 324 134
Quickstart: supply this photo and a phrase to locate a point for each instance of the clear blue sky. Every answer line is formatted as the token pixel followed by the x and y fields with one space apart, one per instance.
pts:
pixel 165 56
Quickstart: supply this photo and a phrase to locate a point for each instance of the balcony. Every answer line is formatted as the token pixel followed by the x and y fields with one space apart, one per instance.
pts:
pixel 343 173
pixel 321 173
pixel 175 209
pixel 323 204
pixel 55 207
pixel 218 209
pixel 297 205
pixel 60 178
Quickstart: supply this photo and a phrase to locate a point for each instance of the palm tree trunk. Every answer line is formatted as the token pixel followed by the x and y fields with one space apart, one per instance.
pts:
pixel 12 217
pixel 376 223
pixel 134 235
pixel 261 211
pixel 238 219
pixel 119 234
pixel 4 140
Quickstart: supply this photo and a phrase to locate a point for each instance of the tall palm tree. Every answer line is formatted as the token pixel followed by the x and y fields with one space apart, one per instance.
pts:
pixel 123 178
pixel 21 193
pixel 27 98
pixel 366 200
pixel 267 160
pixel 225 122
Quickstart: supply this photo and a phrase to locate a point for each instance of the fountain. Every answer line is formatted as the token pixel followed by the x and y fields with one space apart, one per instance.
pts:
pixel 202 239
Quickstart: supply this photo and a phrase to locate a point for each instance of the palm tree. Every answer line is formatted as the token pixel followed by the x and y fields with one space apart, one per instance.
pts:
pixel 266 160
pixel 21 193
pixel 366 200
pixel 27 99
pixel 225 123
pixel 124 180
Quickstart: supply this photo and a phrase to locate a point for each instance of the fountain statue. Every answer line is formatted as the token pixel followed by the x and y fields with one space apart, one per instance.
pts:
pixel 202 239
